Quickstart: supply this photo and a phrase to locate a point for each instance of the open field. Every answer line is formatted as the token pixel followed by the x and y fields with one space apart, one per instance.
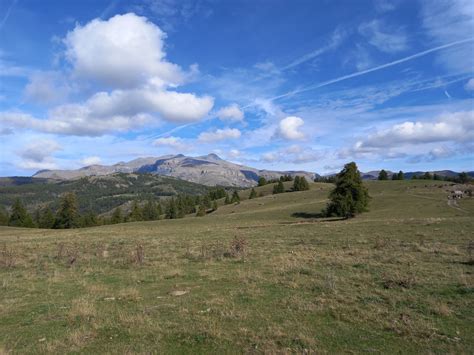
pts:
pixel 395 279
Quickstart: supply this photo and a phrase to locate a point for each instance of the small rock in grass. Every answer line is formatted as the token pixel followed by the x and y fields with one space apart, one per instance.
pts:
pixel 178 293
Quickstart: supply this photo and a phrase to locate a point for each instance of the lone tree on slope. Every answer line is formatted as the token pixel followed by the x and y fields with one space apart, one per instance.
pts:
pixel 350 196
pixel 235 197
pixel 67 216
pixel 253 194
pixel 278 188
pixel 383 175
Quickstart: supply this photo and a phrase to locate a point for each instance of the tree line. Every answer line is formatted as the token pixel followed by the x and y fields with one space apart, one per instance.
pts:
pixel 462 178
pixel 299 184
pixel 68 214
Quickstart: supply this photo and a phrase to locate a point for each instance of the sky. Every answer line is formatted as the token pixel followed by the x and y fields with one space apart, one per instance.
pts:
pixel 282 85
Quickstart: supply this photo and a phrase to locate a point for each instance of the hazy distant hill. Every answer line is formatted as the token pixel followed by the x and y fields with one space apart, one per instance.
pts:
pixel 208 170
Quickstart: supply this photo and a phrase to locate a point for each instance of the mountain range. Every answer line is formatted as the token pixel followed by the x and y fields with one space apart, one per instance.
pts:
pixel 208 170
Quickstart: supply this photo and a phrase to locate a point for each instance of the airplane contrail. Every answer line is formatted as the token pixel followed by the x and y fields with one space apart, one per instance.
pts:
pixel 366 71
pixel 7 14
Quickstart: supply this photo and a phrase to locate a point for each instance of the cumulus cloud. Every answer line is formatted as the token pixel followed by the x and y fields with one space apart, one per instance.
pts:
pixel 176 143
pixel 219 135
pixel 289 128
pixel 231 113
pixel 293 154
pixel 47 88
pixel 73 119
pixel 385 39
pixel 93 160
pixel 234 153
pixel 38 155
pixel 124 51
pixel 419 140
pixel 469 85
pixel 456 127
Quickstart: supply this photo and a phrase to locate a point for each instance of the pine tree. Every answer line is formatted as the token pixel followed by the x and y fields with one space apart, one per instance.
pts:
pixel 427 176
pixel 89 219
pixel 46 218
pixel 235 197
pixel 296 183
pixel 206 201
pixel 67 215
pixel 117 216
pixel 150 211
pixel 262 181
pixel 214 205
pixel 463 178
pixel 394 176
pixel 227 199
pixel 400 175
pixel 350 196
pixel 253 194
pixel 4 217
pixel 201 211
pixel 135 214
pixel 278 188
pixel 300 184
pixel 171 211
pixel 383 175
pixel 159 210
pixel 19 216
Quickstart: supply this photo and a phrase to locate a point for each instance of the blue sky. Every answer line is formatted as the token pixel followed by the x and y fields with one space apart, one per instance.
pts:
pixel 270 84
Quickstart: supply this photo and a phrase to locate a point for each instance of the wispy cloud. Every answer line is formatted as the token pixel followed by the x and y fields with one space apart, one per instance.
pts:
pixel 7 14
pixel 379 67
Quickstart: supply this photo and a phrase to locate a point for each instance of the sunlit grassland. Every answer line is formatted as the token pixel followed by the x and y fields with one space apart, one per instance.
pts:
pixel 395 279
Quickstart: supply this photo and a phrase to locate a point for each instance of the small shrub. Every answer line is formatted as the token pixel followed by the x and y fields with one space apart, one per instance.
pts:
pixel 139 254
pixel 237 247
pixel 470 252
pixel 61 251
pixel 7 257
pixel 398 281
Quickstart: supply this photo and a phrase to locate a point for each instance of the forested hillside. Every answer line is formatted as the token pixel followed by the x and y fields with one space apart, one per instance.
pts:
pixel 98 194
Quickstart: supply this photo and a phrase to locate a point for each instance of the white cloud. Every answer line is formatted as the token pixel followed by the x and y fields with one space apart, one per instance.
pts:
pixel 389 40
pixel 469 85
pixel 127 53
pixel 294 154
pixel 177 143
pixel 455 127
pixel 124 51
pixel 93 160
pixel 219 135
pixel 385 5
pixel 47 87
pixel 231 113
pixel 37 155
pixel 73 119
pixel 418 140
pixel 289 128
pixel 234 154
pixel 448 21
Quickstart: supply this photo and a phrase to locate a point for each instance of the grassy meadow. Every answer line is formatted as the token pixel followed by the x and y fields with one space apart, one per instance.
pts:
pixel 264 276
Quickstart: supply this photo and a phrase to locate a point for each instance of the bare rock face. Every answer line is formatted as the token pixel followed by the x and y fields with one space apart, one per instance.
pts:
pixel 207 170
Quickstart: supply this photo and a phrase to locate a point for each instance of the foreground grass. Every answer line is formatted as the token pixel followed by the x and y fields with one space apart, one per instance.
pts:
pixel 396 279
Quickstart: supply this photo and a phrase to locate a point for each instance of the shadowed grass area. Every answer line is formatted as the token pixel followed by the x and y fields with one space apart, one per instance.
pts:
pixel 265 275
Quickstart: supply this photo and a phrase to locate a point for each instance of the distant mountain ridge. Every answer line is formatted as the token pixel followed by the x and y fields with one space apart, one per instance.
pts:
pixel 208 170
pixel 373 175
